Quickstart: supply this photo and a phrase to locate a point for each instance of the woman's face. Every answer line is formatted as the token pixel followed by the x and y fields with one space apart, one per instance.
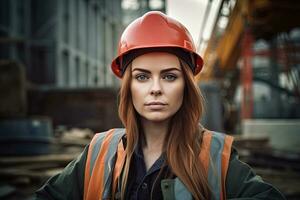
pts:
pixel 157 85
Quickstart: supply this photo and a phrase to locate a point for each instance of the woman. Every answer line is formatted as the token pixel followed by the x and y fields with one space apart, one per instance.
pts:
pixel 163 152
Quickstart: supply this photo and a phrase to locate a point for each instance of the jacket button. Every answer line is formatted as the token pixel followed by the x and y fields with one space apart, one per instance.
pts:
pixel 144 186
pixel 166 185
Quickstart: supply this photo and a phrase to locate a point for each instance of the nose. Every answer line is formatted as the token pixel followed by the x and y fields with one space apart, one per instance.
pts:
pixel 155 92
pixel 156 88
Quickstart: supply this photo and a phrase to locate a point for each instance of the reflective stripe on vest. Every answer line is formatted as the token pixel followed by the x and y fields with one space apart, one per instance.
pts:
pixel 215 154
pixel 100 163
pixel 106 152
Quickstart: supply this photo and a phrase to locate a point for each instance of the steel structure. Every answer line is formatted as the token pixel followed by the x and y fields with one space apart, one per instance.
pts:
pixel 63 43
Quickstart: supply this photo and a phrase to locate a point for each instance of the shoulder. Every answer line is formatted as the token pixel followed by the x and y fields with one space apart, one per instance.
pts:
pixel 242 181
pixel 217 141
pixel 104 141
pixel 216 148
pixel 112 134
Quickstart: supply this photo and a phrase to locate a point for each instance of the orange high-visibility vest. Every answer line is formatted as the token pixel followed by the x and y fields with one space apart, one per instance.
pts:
pixel 106 156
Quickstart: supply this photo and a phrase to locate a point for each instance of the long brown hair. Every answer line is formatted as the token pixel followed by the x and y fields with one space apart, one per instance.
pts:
pixel 183 140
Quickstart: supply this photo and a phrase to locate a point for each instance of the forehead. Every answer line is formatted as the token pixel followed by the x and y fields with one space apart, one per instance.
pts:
pixel 159 60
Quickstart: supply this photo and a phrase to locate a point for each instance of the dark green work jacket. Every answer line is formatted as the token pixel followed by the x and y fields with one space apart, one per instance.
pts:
pixel 241 182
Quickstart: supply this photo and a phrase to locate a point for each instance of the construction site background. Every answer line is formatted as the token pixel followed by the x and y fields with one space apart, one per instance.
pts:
pixel 57 89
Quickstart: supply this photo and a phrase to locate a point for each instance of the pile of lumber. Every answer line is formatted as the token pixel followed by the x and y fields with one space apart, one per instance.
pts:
pixel 20 176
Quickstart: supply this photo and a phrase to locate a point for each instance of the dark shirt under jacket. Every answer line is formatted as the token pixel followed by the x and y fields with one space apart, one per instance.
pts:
pixel 140 181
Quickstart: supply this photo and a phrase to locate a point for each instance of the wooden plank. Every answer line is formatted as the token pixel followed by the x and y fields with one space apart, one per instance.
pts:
pixel 18 173
pixel 17 160
pixel 73 142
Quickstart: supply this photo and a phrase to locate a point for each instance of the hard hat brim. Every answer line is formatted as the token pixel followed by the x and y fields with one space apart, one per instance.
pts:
pixel 118 69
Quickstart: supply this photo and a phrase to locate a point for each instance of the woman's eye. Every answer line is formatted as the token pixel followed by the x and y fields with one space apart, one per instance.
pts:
pixel 170 77
pixel 141 77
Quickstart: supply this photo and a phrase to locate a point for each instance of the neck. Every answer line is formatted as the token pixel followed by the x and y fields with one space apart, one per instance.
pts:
pixel 154 134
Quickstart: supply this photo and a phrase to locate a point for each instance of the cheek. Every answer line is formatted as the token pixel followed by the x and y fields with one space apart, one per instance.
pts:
pixel 177 95
pixel 136 93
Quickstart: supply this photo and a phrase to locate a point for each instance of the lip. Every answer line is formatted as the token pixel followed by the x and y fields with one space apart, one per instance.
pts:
pixel 155 103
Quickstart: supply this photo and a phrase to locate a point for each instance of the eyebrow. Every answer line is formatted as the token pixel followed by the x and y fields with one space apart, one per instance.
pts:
pixel 162 71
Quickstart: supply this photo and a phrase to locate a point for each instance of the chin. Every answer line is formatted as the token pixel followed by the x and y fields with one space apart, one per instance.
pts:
pixel 157 117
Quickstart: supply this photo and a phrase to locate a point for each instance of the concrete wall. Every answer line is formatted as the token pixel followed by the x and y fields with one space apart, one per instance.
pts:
pixel 283 134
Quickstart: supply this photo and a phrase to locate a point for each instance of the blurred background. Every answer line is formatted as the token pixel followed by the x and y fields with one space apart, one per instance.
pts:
pixel 57 89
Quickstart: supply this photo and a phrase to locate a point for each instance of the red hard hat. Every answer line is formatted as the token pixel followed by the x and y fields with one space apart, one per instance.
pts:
pixel 155 30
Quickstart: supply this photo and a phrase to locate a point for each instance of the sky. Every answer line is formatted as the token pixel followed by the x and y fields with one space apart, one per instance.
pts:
pixel 191 13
